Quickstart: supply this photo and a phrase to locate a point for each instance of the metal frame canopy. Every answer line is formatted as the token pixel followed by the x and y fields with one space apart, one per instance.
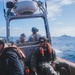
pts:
pixel 42 15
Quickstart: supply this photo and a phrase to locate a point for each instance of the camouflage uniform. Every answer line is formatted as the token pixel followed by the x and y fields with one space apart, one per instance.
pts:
pixel 41 63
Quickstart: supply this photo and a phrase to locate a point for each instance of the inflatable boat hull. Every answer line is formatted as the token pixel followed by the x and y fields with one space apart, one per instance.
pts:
pixel 71 65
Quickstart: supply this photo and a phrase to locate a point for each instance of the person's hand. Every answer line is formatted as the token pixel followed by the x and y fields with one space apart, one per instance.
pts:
pixel 50 62
pixel 34 70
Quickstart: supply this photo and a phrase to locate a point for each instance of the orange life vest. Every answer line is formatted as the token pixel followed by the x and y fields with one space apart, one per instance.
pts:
pixel 19 50
pixel 19 53
pixel 15 47
pixel 49 49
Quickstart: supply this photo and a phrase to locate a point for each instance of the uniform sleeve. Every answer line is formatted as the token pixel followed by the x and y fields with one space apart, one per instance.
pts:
pixel 33 60
pixel 30 39
pixel 13 64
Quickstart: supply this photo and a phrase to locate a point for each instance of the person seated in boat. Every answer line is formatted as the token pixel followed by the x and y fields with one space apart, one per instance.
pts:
pixel 41 58
pixel 22 39
pixel 11 60
pixel 34 36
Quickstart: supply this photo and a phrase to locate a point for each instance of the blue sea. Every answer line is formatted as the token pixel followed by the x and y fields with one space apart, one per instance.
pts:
pixel 64 47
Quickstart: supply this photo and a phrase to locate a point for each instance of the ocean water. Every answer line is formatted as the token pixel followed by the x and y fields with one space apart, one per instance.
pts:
pixel 64 47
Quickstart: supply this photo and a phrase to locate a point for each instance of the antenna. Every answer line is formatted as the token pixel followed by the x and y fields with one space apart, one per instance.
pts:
pixel 4 8
pixel 45 4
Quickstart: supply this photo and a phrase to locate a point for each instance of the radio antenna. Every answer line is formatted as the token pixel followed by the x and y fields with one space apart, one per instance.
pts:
pixel 46 5
pixel 4 8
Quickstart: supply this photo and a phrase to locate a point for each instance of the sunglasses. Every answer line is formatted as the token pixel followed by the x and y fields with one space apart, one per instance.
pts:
pixel 41 41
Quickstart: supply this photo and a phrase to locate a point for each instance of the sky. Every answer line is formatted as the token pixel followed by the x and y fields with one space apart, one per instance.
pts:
pixel 61 17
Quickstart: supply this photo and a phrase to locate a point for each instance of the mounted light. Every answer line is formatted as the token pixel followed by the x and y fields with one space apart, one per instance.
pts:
pixel 10 4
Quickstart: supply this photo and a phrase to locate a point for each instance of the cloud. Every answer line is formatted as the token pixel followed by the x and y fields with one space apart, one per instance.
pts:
pixel 59 23
pixel 15 31
pixel 55 7
pixel 67 2
pixel 2 31
pixel 2 28
pixel 17 28
pixel 54 10
pixel 0 0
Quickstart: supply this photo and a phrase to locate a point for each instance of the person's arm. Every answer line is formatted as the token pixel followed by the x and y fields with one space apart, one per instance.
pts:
pixel 33 60
pixel 13 64
pixel 30 39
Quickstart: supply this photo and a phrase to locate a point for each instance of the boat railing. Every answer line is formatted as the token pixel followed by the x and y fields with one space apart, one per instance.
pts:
pixel 11 8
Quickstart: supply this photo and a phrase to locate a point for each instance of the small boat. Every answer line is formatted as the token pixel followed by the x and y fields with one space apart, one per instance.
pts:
pixel 27 10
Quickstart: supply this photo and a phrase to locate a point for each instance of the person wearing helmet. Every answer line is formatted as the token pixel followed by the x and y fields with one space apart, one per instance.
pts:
pixel 41 58
pixel 22 39
pixel 35 36
pixel 11 60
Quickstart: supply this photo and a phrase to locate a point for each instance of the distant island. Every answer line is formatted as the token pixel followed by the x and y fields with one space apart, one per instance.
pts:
pixel 65 36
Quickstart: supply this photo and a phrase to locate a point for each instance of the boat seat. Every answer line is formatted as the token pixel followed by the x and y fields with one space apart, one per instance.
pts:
pixel 27 50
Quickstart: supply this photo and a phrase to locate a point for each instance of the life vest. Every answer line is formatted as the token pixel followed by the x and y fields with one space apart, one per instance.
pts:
pixel 34 37
pixel 26 71
pixel 19 51
pixel 20 55
pixel 15 48
pixel 49 49
pixel 45 55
